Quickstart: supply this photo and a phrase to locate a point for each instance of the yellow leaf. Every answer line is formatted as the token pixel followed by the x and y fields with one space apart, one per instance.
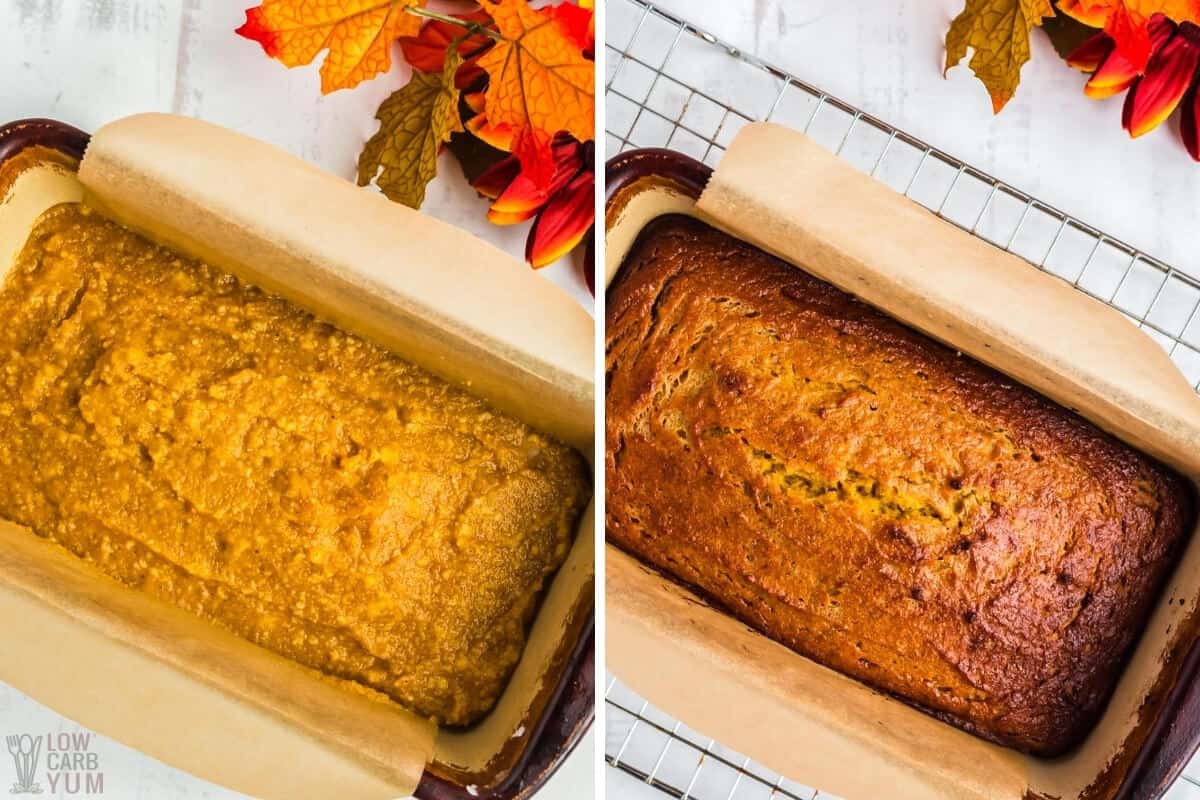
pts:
pixel 359 35
pixel 413 124
pixel 998 30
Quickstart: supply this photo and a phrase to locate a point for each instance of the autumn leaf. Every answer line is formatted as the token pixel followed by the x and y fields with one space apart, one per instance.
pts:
pixel 1128 28
pixel 563 223
pixel 498 136
pixel 522 198
pixel 427 50
pixel 413 124
pixel 998 30
pixel 539 84
pixel 1128 21
pixel 357 33
pixel 1112 70
pixel 563 212
pixel 578 23
pixel 1098 13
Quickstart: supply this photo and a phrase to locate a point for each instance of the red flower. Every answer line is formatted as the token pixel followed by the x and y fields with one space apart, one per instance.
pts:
pixel 1169 80
pixel 563 212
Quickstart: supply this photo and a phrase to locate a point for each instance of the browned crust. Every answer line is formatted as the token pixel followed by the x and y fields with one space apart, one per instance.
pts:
pixel 872 499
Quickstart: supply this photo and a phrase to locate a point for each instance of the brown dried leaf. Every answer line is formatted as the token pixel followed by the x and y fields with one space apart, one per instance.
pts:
pixel 414 123
pixel 998 30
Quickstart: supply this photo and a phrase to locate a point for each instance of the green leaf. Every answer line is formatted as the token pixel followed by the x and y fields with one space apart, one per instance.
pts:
pixel 998 30
pixel 414 123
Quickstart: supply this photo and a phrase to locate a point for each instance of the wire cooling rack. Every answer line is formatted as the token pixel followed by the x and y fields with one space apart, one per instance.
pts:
pixel 671 84
pixel 667 756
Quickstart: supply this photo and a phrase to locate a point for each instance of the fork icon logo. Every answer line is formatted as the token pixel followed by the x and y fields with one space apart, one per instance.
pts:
pixel 25 751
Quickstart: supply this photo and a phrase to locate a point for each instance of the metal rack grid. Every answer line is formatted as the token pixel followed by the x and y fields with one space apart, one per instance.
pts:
pixel 666 755
pixel 672 84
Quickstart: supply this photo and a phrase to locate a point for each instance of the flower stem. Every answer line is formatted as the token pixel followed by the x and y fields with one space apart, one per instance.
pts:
pixel 470 27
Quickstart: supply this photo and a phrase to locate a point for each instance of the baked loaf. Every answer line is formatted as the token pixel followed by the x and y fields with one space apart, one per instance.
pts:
pixel 870 498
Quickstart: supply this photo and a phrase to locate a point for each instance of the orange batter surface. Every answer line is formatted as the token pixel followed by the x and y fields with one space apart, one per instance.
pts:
pixel 221 449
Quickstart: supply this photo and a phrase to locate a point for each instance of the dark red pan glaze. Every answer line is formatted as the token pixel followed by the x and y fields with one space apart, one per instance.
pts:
pixel 569 702
pixel 1169 733
pixel 687 173
pixel 561 728
pixel 16 136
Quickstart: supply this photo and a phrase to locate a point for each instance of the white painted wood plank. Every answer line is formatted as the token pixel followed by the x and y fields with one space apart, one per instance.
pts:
pixel 86 61
pixel 885 56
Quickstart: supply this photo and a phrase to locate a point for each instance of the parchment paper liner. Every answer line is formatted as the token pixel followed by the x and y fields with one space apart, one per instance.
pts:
pixel 187 692
pixel 782 192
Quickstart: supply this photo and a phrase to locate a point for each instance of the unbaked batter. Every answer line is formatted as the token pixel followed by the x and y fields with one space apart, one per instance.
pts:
pixel 225 451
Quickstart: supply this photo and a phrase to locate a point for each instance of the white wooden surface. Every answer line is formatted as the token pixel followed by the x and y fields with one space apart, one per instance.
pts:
pixel 89 61
pixel 885 56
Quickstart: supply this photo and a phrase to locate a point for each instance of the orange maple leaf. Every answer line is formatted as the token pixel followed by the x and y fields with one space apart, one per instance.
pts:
pixel 539 84
pixel 578 23
pixel 358 34
pixel 1127 21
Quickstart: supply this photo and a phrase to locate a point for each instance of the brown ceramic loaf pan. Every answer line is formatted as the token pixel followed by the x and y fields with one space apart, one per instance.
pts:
pixel 561 707
pixel 646 183
pixel 569 711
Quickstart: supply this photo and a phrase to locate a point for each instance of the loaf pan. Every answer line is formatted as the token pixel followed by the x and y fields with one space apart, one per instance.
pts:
pixel 199 698
pixel 804 720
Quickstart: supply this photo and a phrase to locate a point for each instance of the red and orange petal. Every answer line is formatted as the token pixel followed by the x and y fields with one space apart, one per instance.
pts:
pixel 1189 122
pixel 1091 54
pixel 1128 30
pixel 476 101
pixel 1118 72
pixel 1115 75
pixel 498 218
pixel 522 198
pixel 1167 79
pixel 519 202
pixel 498 136
pixel 563 223
pixel 492 182
pixel 535 150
